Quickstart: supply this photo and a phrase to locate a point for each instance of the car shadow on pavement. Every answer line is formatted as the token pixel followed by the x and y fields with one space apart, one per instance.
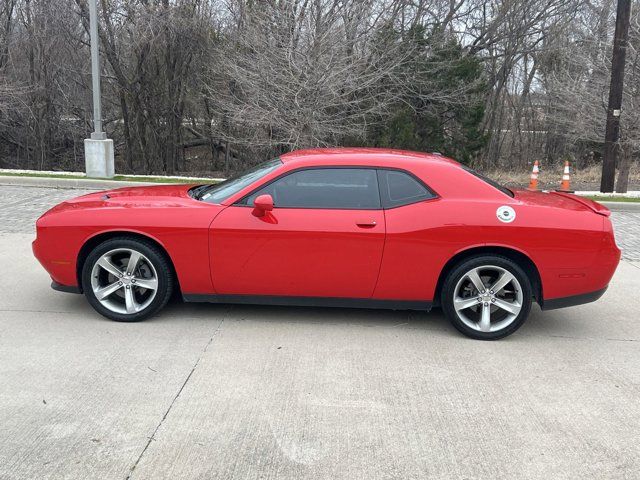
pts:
pixel 539 323
pixel 557 323
pixel 310 315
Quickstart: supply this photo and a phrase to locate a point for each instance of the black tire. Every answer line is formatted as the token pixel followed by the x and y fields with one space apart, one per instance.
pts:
pixel 159 261
pixel 459 271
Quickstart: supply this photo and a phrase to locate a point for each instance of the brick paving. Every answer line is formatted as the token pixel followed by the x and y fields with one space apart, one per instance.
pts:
pixel 21 206
pixel 626 226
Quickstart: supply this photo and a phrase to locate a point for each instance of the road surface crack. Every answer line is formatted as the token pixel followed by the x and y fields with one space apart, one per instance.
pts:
pixel 175 398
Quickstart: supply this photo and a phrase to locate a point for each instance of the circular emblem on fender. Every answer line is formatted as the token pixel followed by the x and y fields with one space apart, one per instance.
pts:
pixel 506 214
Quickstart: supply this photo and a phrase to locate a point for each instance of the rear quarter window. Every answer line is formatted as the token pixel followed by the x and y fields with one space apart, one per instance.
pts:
pixel 399 188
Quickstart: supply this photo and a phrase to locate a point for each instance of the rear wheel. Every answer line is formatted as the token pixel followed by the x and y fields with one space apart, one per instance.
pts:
pixel 487 297
pixel 127 279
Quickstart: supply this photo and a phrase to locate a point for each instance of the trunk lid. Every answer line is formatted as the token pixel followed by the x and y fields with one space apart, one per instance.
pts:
pixel 561 200
pixel 595 206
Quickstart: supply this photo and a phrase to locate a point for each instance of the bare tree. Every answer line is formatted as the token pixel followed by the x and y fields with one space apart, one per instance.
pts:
pixel 206 85
pixel 304 74
pixel 578 84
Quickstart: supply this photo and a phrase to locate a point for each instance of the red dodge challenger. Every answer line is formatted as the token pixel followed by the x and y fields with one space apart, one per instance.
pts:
pixel 335 227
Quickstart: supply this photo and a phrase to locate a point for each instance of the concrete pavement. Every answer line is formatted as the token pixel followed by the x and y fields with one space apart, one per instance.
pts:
pixel 213 391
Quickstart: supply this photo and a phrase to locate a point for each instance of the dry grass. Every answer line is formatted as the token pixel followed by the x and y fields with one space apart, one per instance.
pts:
pixel 550 177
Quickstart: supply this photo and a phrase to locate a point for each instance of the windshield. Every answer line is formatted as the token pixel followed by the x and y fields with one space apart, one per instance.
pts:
pixel 219 192
pixel 493 183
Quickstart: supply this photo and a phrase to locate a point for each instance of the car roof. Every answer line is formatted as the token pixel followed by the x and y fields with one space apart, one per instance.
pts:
pixel 361 156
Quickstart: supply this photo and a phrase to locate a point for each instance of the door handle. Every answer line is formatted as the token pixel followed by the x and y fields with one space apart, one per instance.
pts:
pixel 366 223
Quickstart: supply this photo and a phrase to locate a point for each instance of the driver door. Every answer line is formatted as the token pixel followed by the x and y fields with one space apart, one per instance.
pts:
pixel 324 237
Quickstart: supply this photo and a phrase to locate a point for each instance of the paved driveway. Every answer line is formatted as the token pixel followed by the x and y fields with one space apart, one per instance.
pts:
pixel 211 391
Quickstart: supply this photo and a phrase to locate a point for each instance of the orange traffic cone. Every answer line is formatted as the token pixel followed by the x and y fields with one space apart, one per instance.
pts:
pixel 533 183
pixel 564 185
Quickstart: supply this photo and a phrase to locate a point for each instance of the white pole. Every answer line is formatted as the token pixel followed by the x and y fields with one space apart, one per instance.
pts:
pixel 98 150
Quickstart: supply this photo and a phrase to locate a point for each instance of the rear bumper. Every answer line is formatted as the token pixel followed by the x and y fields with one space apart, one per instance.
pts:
pixel 573 300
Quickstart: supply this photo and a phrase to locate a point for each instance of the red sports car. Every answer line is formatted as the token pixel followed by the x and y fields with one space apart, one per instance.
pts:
pixel 335 227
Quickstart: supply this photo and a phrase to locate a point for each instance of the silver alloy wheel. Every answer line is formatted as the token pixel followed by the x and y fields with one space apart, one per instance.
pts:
pixel 124 281
pixel 488 298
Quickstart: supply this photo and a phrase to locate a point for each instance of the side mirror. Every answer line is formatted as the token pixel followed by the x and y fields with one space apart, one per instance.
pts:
pixel 262 204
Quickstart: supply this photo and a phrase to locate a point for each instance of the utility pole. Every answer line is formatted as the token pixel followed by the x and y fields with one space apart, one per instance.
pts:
pixel 98 150
pixel 614 110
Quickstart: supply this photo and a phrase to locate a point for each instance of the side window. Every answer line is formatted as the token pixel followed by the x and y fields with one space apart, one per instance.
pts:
pixel 400 188
pixel 335 188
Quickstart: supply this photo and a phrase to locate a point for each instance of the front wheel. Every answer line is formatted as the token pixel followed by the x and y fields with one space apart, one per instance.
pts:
pixel 127 279
pixel 487 297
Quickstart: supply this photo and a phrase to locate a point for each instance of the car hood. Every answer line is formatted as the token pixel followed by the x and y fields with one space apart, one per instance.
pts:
pixel 566 201
pixel 155 196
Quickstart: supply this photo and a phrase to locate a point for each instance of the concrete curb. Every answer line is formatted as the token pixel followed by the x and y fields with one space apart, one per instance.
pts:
pixel 75 183
pixel 622 206
pixel 98 184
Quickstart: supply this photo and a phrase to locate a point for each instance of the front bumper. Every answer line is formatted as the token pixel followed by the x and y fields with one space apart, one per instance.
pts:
pixel 65 288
